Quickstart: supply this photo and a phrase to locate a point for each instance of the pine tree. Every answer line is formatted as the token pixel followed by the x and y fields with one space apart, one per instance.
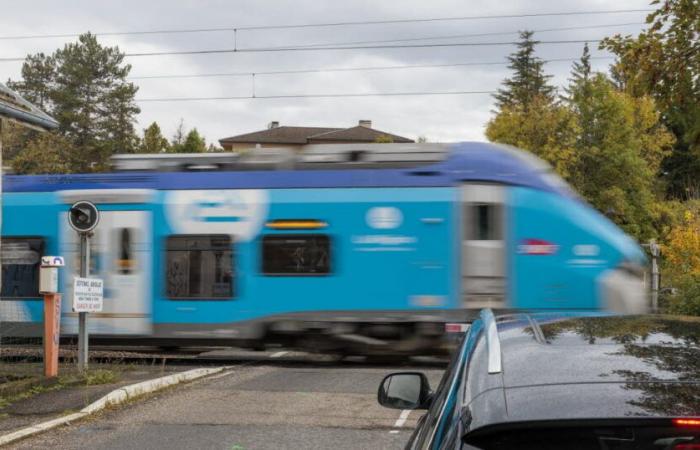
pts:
pixel 194 143
pixel 84 86
pixel 529 80
pixel 38 80
pixel 578 96
pixel 580 73
pixel 153 140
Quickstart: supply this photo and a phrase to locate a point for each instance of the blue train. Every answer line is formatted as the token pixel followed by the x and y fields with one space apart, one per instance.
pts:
pixel 338 247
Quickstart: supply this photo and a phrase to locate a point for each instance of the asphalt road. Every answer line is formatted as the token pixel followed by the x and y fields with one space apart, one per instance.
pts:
pixel 273 400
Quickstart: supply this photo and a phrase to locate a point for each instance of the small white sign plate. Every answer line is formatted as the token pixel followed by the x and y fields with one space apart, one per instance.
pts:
pixel 87 294
pixel 52 261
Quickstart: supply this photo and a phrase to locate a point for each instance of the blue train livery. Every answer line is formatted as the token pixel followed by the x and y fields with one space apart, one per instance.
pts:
pixel 337 247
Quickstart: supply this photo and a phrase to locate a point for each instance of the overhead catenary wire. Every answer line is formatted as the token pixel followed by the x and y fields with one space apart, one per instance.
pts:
pixel 353 47
pixel 327 24
pixel 460 36
pixel 337 95
pixel 350 69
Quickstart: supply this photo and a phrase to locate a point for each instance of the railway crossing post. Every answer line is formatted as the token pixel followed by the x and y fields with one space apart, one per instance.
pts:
pixel 48 286
pixel 87 293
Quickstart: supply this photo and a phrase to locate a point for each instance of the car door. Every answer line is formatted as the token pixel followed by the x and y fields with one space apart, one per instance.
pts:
pixel 443 412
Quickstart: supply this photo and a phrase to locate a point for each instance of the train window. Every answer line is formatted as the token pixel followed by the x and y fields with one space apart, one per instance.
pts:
pixel 125 255
pixel 21 258
pixel 296 254
pixel 199 267
pixel 487 222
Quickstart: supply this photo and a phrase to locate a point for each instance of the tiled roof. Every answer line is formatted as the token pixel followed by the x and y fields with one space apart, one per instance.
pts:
pixel 278 135
pixel 358 134
pixel 309 135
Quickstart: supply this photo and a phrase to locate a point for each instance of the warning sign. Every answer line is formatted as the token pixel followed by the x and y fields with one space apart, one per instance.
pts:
pixel 87 294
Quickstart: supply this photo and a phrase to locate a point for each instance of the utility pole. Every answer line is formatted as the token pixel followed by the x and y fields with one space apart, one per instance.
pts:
pixel 83 217
pixel 82 316
pixel 655 251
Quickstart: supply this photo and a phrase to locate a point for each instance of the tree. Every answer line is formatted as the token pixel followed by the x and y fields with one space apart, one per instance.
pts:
pixel 193 142
pixel 178 139
pixel 664 62
pixel 623 150
pixel 38 80
pixel 578 95
pixel 529 82
pixel 84 86
pixel 46 153
pixel 153 140
pixel 548 130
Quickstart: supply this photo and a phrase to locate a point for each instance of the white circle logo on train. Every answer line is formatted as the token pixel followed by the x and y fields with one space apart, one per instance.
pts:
pixel 237 212
pixel 384 217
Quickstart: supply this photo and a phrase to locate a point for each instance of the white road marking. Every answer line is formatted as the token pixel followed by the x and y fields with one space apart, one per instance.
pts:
pixel 401 420
pixel 278 354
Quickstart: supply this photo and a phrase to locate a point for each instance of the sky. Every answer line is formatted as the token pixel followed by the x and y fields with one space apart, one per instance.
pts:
pixel 444 118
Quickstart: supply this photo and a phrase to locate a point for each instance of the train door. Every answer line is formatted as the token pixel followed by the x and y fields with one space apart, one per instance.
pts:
pixel 483 265
pixel 120 254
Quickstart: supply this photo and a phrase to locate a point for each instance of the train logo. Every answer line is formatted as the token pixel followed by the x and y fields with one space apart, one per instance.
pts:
pixel 384 217
pixel 237 212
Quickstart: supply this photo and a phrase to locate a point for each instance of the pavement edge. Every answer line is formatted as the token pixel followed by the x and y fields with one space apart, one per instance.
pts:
pixel 115 397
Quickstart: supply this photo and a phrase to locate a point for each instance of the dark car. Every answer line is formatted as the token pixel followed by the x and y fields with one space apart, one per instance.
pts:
pixel 561 381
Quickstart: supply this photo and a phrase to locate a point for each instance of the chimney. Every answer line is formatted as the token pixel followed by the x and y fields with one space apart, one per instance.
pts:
pixel 273 124
pixel 366 123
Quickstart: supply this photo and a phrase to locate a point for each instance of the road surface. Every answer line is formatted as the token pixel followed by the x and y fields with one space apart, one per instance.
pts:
pixel 275 400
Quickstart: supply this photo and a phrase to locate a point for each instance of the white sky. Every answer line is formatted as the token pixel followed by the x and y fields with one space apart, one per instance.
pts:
pixel 439 118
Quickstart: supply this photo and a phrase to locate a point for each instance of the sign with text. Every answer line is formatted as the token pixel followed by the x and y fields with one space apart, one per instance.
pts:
pixel 87 294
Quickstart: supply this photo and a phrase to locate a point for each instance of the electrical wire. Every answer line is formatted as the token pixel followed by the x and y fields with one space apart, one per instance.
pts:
pixel 266 97
pixel 329 24
pixel 350 69
pixel 459 36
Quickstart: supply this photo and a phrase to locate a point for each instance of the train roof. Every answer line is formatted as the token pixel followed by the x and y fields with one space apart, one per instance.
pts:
pixel 317 166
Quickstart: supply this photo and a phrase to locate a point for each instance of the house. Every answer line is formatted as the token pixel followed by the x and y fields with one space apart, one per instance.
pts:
pixel 296 137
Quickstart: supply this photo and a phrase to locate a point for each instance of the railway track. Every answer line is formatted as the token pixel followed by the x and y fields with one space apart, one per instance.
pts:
pixel 205 357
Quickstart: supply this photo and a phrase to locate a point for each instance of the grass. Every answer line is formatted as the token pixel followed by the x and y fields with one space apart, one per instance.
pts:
pixel 38 385
pixel 100 376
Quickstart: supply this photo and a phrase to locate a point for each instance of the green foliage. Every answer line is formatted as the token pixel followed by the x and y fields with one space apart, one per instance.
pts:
pixel 619 151
pixel 45 153
pixel 529 82
pixel 686 300
pixel 14 139
pixel 100 376
pixel 548 130
pixel 193 142
pixel 664 62
pixel 153 140
pixel 84 86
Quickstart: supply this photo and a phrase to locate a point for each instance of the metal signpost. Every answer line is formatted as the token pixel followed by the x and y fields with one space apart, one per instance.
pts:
pixel 87 293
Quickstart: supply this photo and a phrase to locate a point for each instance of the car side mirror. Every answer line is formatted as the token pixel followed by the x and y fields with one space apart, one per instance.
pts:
pixel 405 390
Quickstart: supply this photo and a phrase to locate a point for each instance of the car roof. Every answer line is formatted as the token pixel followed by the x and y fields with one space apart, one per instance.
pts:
pixel 575 366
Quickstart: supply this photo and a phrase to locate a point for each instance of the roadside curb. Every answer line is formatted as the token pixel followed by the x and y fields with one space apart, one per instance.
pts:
pixel 115 397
